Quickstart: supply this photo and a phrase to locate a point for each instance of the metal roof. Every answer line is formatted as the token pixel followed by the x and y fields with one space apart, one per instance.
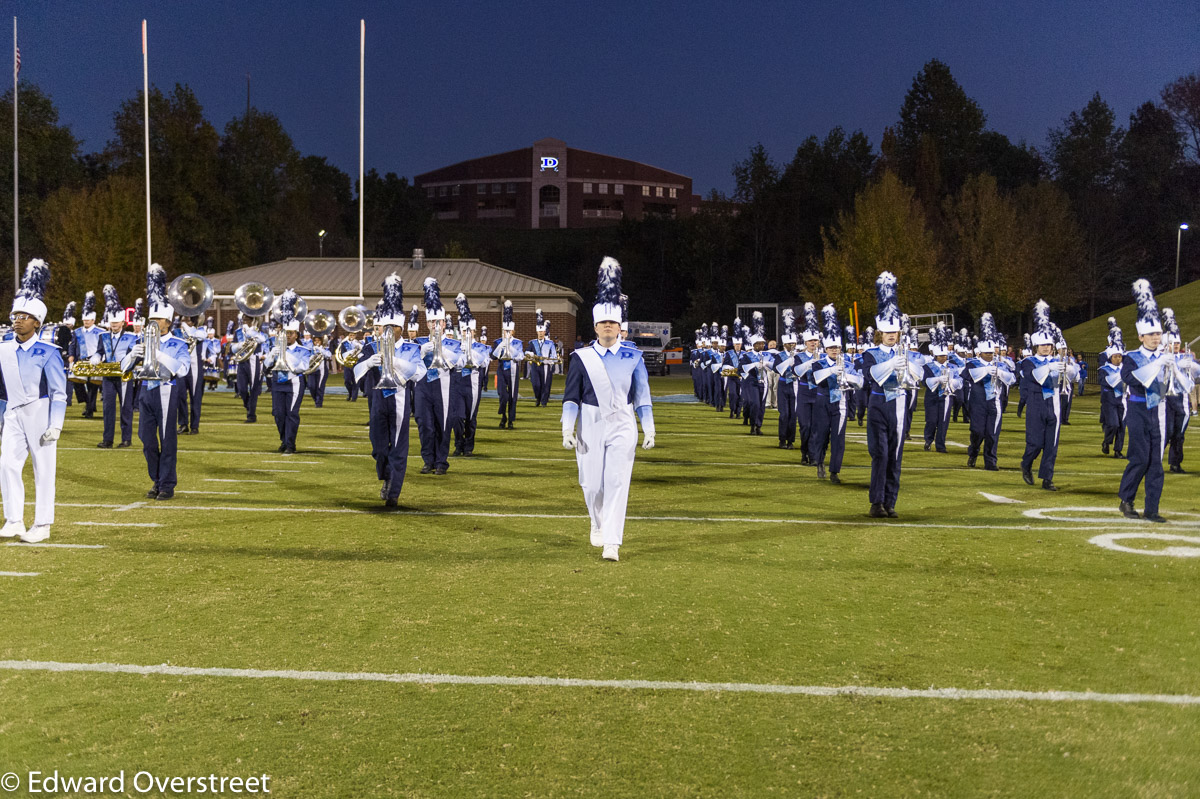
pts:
pixel 338 277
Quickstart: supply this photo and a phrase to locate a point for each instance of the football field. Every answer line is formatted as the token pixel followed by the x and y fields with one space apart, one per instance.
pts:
pixel 761 636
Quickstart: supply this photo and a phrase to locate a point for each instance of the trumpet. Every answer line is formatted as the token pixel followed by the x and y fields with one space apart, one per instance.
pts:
pixel 906 380
pixel 1172 388
pixel 843 381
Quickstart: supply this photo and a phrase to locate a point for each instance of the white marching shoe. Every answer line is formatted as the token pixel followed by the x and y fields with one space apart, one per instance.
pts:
pixel 12 530
pixel 597 537
pixel 610 552
pixel 36 534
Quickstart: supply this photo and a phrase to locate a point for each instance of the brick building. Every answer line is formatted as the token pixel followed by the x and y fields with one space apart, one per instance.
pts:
pixel 332 283
pixel 551 185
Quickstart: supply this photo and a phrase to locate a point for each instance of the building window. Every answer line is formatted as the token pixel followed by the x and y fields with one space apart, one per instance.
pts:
pixel 618 188
pixel 658 191
pixel 481 188
pixel 429 191
pixel 442 190
pixel 511 188
pixel 587 188
pixel 645 191
pixel 497 188
pixel 603 187
pixel 456 190
pixel 674 193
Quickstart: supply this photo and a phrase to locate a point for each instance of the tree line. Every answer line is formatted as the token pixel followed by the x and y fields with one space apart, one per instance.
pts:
pixel 967 219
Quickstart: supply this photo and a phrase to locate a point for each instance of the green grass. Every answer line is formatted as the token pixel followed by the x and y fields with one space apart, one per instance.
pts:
pixel 986 599
pixel 1092 336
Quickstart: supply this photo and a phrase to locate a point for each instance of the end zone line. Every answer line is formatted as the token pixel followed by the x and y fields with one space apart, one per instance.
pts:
pixel 985 694
pixel 1076 527
pixel 19 574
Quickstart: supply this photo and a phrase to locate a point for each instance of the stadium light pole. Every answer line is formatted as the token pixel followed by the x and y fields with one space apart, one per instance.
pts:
pixel 1178 244
pixel 321 242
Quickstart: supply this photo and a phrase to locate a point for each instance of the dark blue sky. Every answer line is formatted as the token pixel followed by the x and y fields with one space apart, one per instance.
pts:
pixel 685 86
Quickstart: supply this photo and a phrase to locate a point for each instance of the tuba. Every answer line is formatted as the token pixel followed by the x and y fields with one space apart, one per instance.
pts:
pixel 352 319
pixel 320 323
pixel 254 300
pixel 190 295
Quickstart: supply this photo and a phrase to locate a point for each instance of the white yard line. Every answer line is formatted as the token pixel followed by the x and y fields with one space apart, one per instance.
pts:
pixel 230 480
pixel 213 493
pixel 688 519
pixel 19 574
pixel 116 524
pixel 281 471
pixel 981 694
pixel 289 460
pixel 130 506
pixel 59 546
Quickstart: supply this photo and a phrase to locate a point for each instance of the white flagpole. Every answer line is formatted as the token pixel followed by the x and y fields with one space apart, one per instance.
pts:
pixel 146 128
pixel 16 226
pixel 362 60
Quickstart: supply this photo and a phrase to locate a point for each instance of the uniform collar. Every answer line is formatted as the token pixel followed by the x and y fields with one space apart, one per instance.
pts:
pixel 27 343
pixel 614 349
pixel 1148 353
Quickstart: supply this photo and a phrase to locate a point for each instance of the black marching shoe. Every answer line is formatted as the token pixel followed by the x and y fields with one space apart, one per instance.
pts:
pixel 1177 469
pixel 282 447
pixel 821 471
pixel 383 489
pixel 152 494
pixel 928 444
pixel 1049 485
pixel 426 469
pixel 503 423
pixel 108 445
pixel 1128 512
pixel 833 478
pixel 440 470
pixel 391 503
pixel 1027 476
pixel 790 445
pixel 891 512
pixel 1153 517
pixel 163 495
pixel 123 445
pixel 510 425
pixel 971 461
pixel 877 511
pixel 1118 454
pixel 1104 448
pixel 991 467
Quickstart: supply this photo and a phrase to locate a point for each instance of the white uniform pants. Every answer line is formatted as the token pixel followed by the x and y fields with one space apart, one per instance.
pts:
pixel 23 428
pixel 605 458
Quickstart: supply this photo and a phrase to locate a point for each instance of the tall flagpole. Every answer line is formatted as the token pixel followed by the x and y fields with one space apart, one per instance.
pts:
pixel 16 226
pixel 362 60
pixel 146 128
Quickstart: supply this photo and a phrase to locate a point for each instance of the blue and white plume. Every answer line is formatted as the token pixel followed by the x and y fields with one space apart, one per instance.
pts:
pixel 89 307
pixel 540 323
pixel 832 333
pixel 1043 328
pixel 287 310
pixel 789 327
pixel 466 320
pixel 887 318
pixel 433 301
pixel 1170 326
pixel 414 318
pixel 724 340
pixel 113 310
pixel 746 343
pixel 868 338
pixel 31 297
pixel 392 310
pixel 758 328
pixel 988 337
pixel 506 319
pixel 812 325
pixel 625 312
pixel 156 293
pixel 850 338
pixel 1147 308
pixel 608 292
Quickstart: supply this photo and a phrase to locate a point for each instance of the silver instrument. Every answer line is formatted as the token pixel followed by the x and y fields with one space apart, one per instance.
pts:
pixel 281 364
pixel 387 360
pixel 352 318
pixel 906 379
pixel 150 368
pixel 1172 369
pixel 254 300
pixel 439 354
pixel 320 323
pixel 468 342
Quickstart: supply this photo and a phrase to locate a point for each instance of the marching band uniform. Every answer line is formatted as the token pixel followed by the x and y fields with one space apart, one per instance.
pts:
pixel 211 358
pixel 249 371
pixel 606 387
pixel 786 389
pixel 541 375
pixel 509 354
pixel 987 376
pixel 806 392
pixel 1068 387
pixel 87 348
pixel 63 335
pixel 1039 376
pixel 33 406
pixel 1146 372
pixel 754 364
pixel 720 380
pixel 1178 404
pixel 883 366
pixel 942 381
pixel 1113 405
pixel 834 376
pixel 472 378
pixel 914 354
pixel 348 346
pixel 192 395
pixel 850 350
pixel 114 346
pixel 864 394
pixel 732 360
pixel 315 381
pixel 435 419
pixel 158 400
pixel 287 387
pixel 963 350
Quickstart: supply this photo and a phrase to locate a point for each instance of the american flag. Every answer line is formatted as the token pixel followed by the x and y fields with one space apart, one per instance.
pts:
pixel 16 60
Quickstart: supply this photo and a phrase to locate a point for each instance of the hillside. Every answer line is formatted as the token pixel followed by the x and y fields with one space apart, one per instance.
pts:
pixel 1091 336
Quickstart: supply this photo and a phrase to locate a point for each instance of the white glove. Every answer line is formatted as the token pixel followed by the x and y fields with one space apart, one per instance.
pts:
pixel 569 441
pixel 373 361
pixel 137 350
pixel 51 435
pixel 426 348
pixel 648 441
pixel 95 358
pixel 992 370
pixel 900 361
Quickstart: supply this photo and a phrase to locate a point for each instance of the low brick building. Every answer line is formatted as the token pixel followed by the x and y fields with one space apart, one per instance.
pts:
pixel 551 185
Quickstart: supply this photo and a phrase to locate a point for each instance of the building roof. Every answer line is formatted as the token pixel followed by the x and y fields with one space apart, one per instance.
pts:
pixel 338 277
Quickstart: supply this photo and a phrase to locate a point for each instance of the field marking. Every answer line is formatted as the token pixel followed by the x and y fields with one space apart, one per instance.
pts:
pixel 130 506
pixel 1001 500
pixel 230 480
pixel 115 524
pixel 213 493
pixel 19 574
pixel 281 471
pixel 985 694
pixel 1109 541
pixel 58 546
pixel 491 514
pixel 289 460
pixel 1051 514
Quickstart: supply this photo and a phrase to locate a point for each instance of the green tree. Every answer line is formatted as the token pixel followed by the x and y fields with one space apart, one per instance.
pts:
pixel 396 217
pixel 756 178
pixel 887 230
pixel 986 248
pixel 1083 151
pixel 49 161
pixel 1181 98
pixel 1055 266
pixel 938 137
pixel 97 235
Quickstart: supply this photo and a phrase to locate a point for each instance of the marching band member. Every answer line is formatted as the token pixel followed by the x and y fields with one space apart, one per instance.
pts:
pixel 441 355
pixel 786 390
pixel 987 375
pixel 704 363
pixel 315 381
pixel 1113 405
pixel 63 336
pixel 942 380
pixel 694 359
pixel 806 391
pixel 1040 377
pixel 287 382
pixel 389 415
pixel 888 372
pixel 350 345
pixel 716 368
pixel 850 348
pixel 1068 386
pixel 754 365
pixel 1178 410
pixel 910 336
pixel 192 395
pixel 211 357
pixel 509 354
pixel 114 346
pixel 249 371
pixel 87 348
pixel 33 405
pixel 158 400
pixel 1148 373
pixel 864 394
pixel 227 364
pixel 732 364
pixel 963 349
pixel 606 386
pixel 834 376
pixel 537 350
pixel 470 381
